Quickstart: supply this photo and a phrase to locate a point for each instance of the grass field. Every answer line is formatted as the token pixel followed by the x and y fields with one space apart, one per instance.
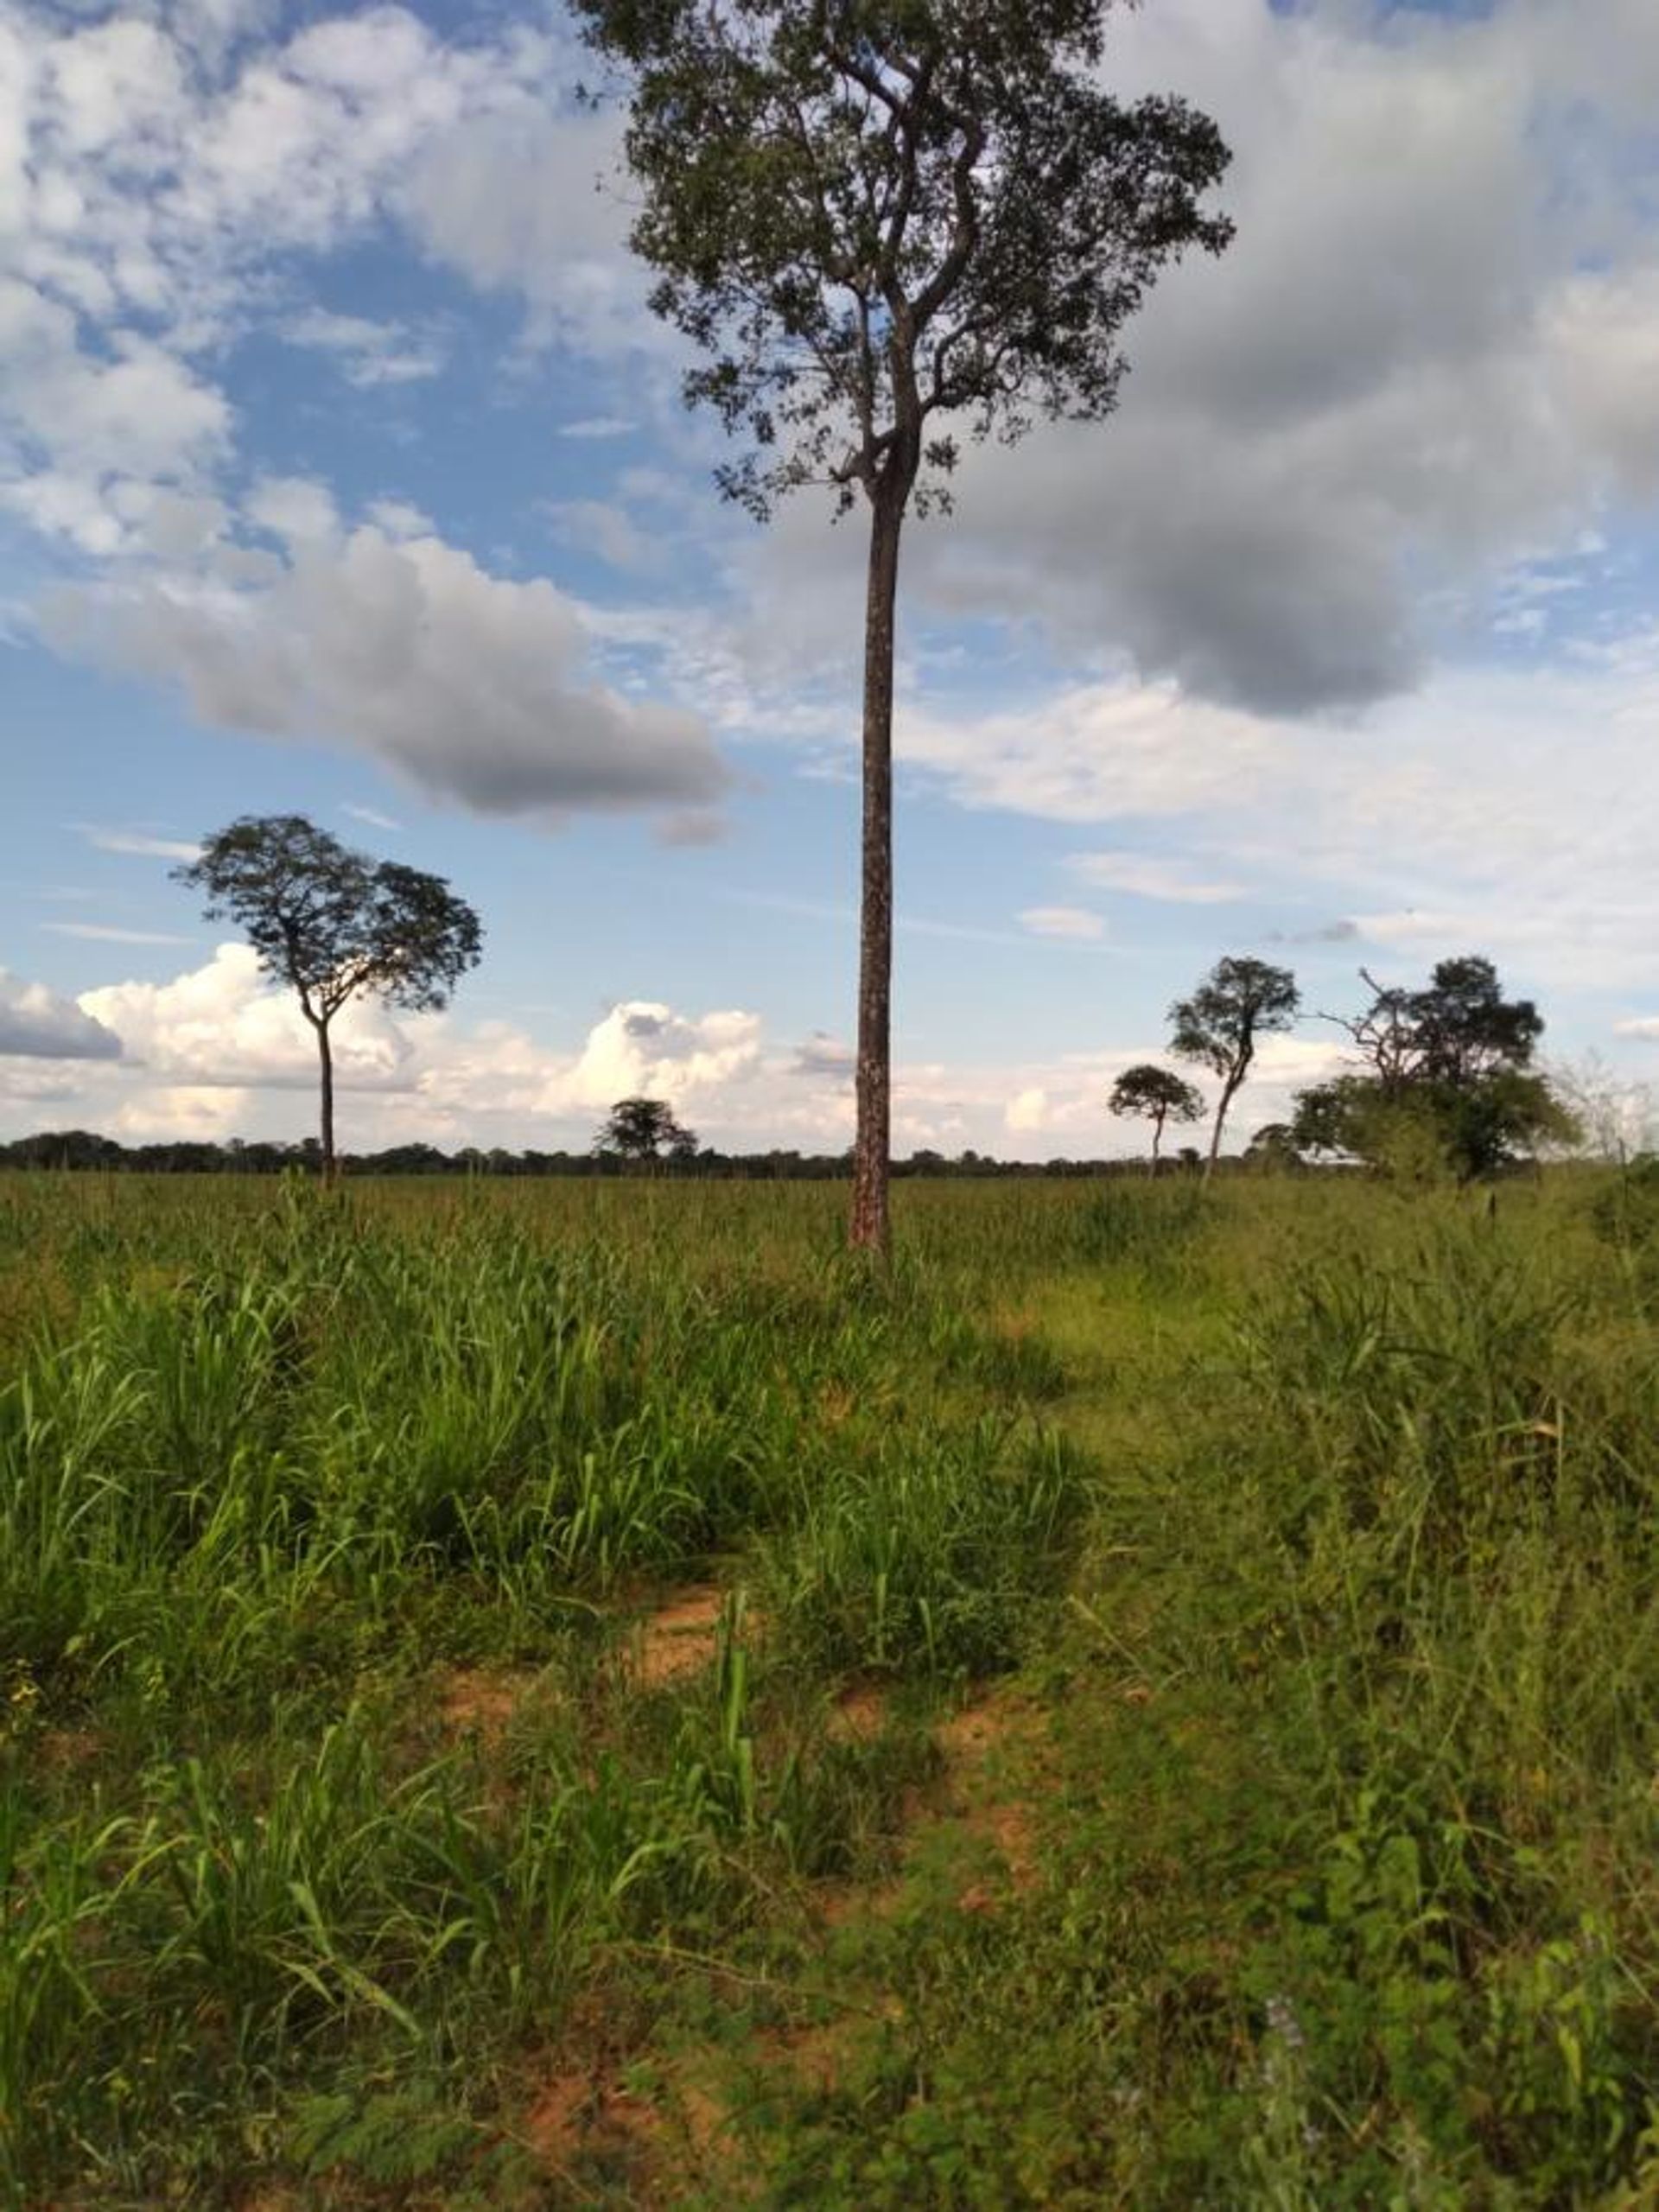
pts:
pixel 572 1694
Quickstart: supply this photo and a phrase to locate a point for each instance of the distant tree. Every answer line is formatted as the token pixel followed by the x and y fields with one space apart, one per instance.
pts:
pixel 1239 1001
pixel 877 219
pixel 1458 1029
pixel 1274 1144
pixel 1149 1093
pixel 334 925
pixel 644 1128
pixel 1444 1079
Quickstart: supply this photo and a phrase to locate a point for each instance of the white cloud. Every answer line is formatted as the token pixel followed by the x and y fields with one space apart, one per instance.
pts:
pixel 471 686
pixel 401 518
pixel 371 815
pixel 218 1050
pixel 1142 875
pixel 36 1024
pixel 1074 922
pixel 643 1048
pixel 602 527
pixel 140 842
pixel 370 354
pixel 824 1060
pixel 223 1026
pixel 297 510
pixel 1491 811
pixel 112 933
pixel 598 426
pixel 511 195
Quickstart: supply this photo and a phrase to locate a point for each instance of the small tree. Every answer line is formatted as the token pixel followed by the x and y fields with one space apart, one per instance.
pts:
pixel 877 219
pixel 1239 1002
pixel 644 1128
pixel 1150 1093
pixel 334 925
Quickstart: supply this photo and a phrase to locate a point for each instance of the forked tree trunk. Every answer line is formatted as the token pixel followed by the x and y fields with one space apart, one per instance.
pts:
pixel 869 1229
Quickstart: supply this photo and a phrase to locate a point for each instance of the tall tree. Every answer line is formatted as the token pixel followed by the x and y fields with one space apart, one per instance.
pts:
pixel 334 924
pixel 643 1129
pixel 1239 1002
pixel 1157 1094
pixel 879 218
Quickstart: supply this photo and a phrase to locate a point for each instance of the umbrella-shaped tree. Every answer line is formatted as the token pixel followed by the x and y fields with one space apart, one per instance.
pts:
pixel 334 924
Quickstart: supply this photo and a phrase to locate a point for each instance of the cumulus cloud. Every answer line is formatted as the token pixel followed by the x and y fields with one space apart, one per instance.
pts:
pixel 218 1051
pixel 475 688
pixel 524 195
pixel 224 1026
pixel 823 1058
pixel 1430 352
pixel 36 1025
pixel 155 171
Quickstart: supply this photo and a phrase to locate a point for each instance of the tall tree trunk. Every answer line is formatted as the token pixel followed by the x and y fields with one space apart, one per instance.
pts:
pixel 1157 1139
pixel 869 1230
pixel 326 1064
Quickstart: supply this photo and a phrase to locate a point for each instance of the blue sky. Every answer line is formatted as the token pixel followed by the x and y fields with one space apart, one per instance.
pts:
pixel 342 470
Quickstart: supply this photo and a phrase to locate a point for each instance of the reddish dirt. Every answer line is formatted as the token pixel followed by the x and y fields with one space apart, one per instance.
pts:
pixel 858 1715
pixel 70 1749
pixel 581 2114
pixel 989 1803
pixel 482 1700
pixel 680 1638
pixel 980 1729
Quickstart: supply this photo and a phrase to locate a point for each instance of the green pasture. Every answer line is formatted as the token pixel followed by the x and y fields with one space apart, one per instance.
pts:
pixel 1174 1719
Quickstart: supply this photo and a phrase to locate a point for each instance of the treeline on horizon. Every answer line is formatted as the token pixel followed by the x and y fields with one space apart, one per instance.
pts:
pixel 84 1150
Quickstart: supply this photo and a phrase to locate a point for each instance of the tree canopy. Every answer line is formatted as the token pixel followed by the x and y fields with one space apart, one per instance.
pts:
pixel 874 217
pixel 645 1129
pixel 885 224
pixel 1150 1093
pixel 332 925
pixel 1444 1079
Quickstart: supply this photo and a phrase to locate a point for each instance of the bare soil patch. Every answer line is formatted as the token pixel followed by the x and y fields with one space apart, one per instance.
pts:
pixel 858 1715
pixel 482 1700
pixel 680 1638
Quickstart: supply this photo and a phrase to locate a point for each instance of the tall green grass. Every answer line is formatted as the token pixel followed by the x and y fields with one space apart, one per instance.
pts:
pixel 1320 1518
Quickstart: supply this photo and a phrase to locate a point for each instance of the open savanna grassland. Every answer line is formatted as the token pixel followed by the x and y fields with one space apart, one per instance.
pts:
pixel 558 1694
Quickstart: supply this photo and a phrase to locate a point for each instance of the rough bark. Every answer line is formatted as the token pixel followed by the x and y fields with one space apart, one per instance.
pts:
pixel 869 1230
pixel 326 1071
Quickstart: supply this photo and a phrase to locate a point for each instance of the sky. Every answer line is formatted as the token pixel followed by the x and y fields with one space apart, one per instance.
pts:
pixel 344 471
